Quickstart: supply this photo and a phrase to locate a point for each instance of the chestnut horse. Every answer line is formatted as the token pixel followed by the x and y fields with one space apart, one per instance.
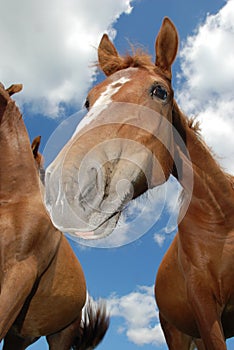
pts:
pixel 43 289
pixel 134 137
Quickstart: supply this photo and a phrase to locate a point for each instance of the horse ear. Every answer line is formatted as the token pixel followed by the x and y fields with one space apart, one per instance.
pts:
pixel 13 89
pixel 166 46
pixel 108 57
pixel 5 93
pixel 35 146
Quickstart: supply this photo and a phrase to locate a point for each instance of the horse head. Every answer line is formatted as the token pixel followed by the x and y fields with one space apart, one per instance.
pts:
pixel 123 146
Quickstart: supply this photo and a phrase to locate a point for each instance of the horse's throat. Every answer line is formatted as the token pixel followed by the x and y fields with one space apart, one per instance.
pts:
pixel 212 196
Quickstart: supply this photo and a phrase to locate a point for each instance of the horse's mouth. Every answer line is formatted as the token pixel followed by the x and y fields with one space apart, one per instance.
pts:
pixel 103 230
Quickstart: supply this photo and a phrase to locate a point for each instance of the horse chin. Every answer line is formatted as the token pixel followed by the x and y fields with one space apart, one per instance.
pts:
pixel 102 231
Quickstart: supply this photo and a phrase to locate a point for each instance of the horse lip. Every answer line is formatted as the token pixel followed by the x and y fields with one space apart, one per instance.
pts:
pixel 109 218
pixel 88 235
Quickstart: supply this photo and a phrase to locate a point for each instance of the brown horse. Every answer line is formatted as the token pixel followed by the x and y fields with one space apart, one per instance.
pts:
pixel 133 137
pixel 43 289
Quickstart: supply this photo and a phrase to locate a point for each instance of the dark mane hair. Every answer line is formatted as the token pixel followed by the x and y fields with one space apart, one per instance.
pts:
pixel 194 124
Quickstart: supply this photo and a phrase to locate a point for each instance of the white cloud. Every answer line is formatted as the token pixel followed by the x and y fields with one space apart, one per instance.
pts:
pixel 207 65
pixel 138 309
pixel 50 47
pixel 159 239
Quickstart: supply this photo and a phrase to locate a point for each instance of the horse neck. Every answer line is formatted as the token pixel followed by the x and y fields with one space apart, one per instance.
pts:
pixel 212 200
pixel 18 175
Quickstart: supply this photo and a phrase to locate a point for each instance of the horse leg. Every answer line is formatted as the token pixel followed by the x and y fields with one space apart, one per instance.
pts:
pixel 199 344
pixel 16 286
pixel 208 320
pixel 15 342
pixel 174 338
pixel 64 339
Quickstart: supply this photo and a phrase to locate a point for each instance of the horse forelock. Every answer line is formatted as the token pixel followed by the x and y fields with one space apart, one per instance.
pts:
pixel 138 59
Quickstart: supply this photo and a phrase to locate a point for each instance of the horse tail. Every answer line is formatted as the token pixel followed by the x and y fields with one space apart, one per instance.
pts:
pixel 93 327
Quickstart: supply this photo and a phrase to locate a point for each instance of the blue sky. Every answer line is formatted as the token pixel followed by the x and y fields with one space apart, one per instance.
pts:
pixel 56 82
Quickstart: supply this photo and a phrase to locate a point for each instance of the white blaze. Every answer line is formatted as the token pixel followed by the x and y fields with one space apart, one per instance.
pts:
pixel 102 102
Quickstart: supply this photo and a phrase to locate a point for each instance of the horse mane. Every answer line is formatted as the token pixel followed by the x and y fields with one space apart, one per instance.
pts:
pixel 182 123
pixel 231 179
pixel 194 124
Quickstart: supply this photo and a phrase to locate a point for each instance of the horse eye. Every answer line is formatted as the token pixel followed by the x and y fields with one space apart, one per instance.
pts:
pixel 86 104
pixel 159 92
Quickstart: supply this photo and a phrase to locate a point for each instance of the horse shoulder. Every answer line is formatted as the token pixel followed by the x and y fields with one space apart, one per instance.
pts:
pixel 170 290
pixel 61 294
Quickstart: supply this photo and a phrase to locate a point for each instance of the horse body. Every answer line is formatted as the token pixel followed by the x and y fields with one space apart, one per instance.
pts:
pixel 43 288
pixel 133 137
pixel 199 264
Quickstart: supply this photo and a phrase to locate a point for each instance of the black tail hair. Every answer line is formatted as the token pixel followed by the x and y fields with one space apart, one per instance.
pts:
pixel 93 326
